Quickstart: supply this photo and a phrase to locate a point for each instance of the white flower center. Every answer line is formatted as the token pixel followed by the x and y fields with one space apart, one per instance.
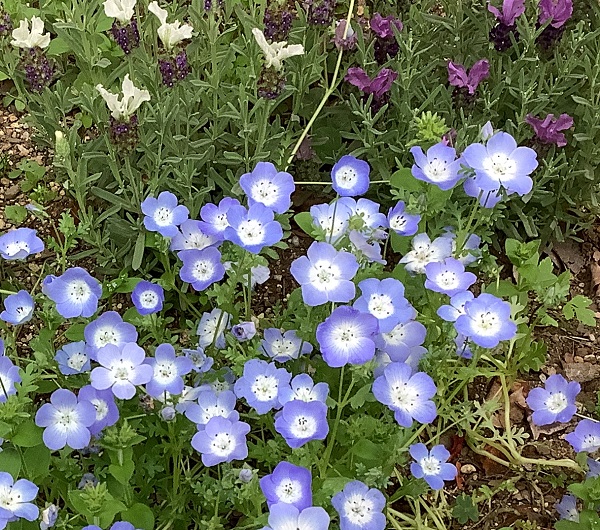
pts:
pixel 380 305
pixel 332 227
pixel 9 500
pixel 15 247
pixel 163 216
pixel 264 191
pixel 197 240
pixel 345 335
pixel 78 291
pixel 165 372
pixel 221 222
pixel 149 300
pixel 325 275
pixel 213 411
pixel 358 510
pixel 101 408
pixel 557 402
pixel 430 465
pixel 23 311
pixel 5 384
pixel 398 222
pixel 346 176
pixel 66 419
pixel 447 280
pixel 251 232
pixel 487 323
pixel 404 396
pixel 499 166
pixel 289 491
pixel 265 387
pixel 223 444
pixel 437 170
pixel 303 426
pixel 77 360
pixel 122 369
pixel 283 347
pixel 304 393
pixel 106 335
pixel 396 336
pixel 203 270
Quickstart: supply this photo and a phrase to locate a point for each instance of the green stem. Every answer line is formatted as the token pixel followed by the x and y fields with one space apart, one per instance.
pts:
pixel 3 291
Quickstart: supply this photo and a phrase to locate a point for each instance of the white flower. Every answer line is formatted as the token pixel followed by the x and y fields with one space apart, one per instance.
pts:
pixel 122 10
pixel 25 39
pixel 170 34
pixel 132 98
pixel 278 51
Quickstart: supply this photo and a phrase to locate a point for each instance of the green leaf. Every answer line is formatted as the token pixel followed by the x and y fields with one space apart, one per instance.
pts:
pixel 28 435
pixel 122 473
pixel 75 332
pixel 10 462
pixel 138 251
pixel 360 397
pixel 140 516
pixel 369 451
pixel 16 213
pixel 305 221
pixel 464 509
pixel 58 46
pixel 579 306
pixel 403 180
pixel 37 461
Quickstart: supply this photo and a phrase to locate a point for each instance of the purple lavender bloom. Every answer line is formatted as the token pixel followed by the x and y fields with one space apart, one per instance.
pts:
pixel 511 10
pixel 360 507
pixel 333 219
pixel 402 223
pixel 350 176
pixel 107 413
pixel 585 437
pixel 19 243
pixel 486 321
pixel 347 337
pixel 303 388
pixel 39 70
pixel 399 342
pixel 448 277
pixel 16 499
pixel 320 13
pixel 344 40
pixel 555 11
pixel 108 328
pixel 432 465
pixel 567 508
pixel 201 268
pixel 121 370
pixel 458 76
pixel 547 131
pixel 200 361
pixel 126 35
pixel 299 422
pixel 174 68
pixel 289 484
pixel 407 394
pixel 383 26
pixel 452 311
pixel 384 299
pixel 222 440
pixel 252 229
pixel 75 293
pixel 18 308
pixel 325 274
pixel 438 167
pixel 72 359
pixel 215 217
pixel 244 331
pixel 424 251
pixel 278 20
pixel 284 517
pixel 283 347
pixel 66 420
pixel 555 402
pixel 269 187
pixel 211 405
pixel 9 375
pixel 163 214
pixel 148 297
pixel 505 30
pixel 501 163
pixel 194 235
pixel 260 385
pixel 168 371
pixel 212 327
pixel 378 86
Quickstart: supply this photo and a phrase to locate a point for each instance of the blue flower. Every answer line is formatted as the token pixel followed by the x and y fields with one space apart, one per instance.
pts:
pixel 164 215
pixel 49 517
pixel 76 292
pixel 425 251
pixel 215 217
pixel 9 375
pixel 148 297
pixel 402 223
pixel 20 243
pixel 18 308
pixel 244 331
pixel 211 328
pixel 448 277
pixel 300 422
pixel 269 187
pixel 303 388
pixel 252 229
pixel 193 235
pixel 347 337
pixel 593 468
pixel 360 507
pixel 284 516
pixel 200 361
pixel 283 347
pixel 211 405
pixel 456 308
pixel 289 484
pixel 325 274
pixel 332 219
pixel 567 508
pixel 585 437
pixel 412 358
pixel 108 328
pixel 439 167
pixel 245 475
pixel 201 268
pixel 399 342
pixel 168 371
pixel 555 402
pixel 107 413
pixel 222 440
pixel 432 465
pixel 16 497
pixel 73 359
pixel 368 212
pixel 350 176
pixel 260 385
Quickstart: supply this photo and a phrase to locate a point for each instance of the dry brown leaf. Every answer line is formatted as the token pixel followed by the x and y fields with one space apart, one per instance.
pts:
pixel 595 270
pixel 536 431
pixel 569 253
pixel 516 398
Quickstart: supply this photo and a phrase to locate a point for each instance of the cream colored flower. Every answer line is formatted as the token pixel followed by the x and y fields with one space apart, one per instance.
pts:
pixel 23 38
pixel 173 33
pixel 122 10
pixel 277 52
pixel 132 99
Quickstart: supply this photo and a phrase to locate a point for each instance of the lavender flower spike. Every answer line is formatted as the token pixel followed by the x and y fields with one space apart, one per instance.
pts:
pixel 458 76
pixel 557 11
pixel 511 10
pixel 548 130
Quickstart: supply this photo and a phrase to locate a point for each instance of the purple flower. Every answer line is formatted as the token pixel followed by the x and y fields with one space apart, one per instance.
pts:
pixel 332 219
pixel 407 394
pixel 365 250
pixel 201 268
pixel 75 293
pixel 303 388
pixel 486 321
pixel 347 337
pixel 547 130
pixel 126 35
pixel 18 308
pixel 325 274
pixel 452 311
pixel 432 465
pixel 73 359
pixel 20 243
pixel 269 187
pixel 555 402
pixel 164 215
pixel 379 86
pixel 9 375
pixel 49 517
pixel 222 440
pixel 556 11
pixel 299 422
pixel 448 277
pixel 103 401
pixel 168 371
pixel 567 508
pixel 148 297
pixel 344 40
pixel 211 405
pixel 283 347
pixel 458 76
pixel 260 385
pixel 383 26
pixel 402 223
pixel 252 229
pixel 121 370
pixel 593 468
pixel 215 217
pixel 200 361
pixel 511 10
pixel 360 507
pixel 194 235
pixel 350 176
pixel 211 328
pixel 487 198
pixel 283 516
pixel 585 437
pixel 401 340
pixel 438 167
pixel 424 251
pixel 246 475
pixel 368 212
pixel 289 484
pixel 16 497
pixel 244 331
pixel 66 420
pixel 108 328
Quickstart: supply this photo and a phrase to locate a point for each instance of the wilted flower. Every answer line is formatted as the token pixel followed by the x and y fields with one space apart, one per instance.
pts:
pixel 244 331
pixel 49 516
pixel 547 131
pixel 567 508
pixel 344 40
pixel 211 327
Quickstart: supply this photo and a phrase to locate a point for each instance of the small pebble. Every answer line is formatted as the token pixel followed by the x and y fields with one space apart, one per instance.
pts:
pixel 467 469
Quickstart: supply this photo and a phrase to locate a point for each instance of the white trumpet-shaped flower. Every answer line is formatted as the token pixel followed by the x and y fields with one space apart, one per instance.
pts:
pixel 23 38
pixel 173 33
pixel 132 98
pixel 122 10
pixel 277 52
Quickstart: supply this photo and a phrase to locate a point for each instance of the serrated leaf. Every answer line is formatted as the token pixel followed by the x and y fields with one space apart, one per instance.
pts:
pixel 360 397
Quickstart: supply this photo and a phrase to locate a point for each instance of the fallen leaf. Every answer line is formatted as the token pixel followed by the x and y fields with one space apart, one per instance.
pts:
pixel 517 403
pixel 595 270
pixel 569 253
pixel 491 467
pixel 460 480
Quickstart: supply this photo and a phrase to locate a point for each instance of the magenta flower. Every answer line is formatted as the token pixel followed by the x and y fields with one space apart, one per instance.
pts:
pixel 557 11
pixel 511 10
pixel 377 86
pixel 548 130
pixel 383 26
pixel 459 77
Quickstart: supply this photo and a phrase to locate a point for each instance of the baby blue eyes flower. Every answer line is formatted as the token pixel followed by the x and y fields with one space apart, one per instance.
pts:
pixel 585 437
pixel 555 402
pixel 332 219
pixel 49 517
pixel 347 337
pixel 66 420
pixel 16 497
pixel 20 243
pixel 425 251
pixel 103 401
pixel 222 440
pixel 432 465
pixel 201 268
pixel 452 311
pixel 402 223
pixel 9 375
pixel 244 331
pixel 212 327
pixel 73 359
pixel 360 507
pixel 350 176
pixel 215 217
pixel 76 292
pixel 260 385
pixel 438 167
pixel 303 388
pixel 200 361
pixel 210 405
pixel 168 371
pixel 401 340
pixel 283 516
pixel 269 187
pixel 288 484
pixel 325 274
pixel 193 235
pixel 486 321
pixel 18 308
pixel 252 229
pixel 283 347
pixel 163 214
pixel 407 394
pixel 108 328
pixel 567 508
pixel 448 277
pixel 299 422
pixel 148 297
